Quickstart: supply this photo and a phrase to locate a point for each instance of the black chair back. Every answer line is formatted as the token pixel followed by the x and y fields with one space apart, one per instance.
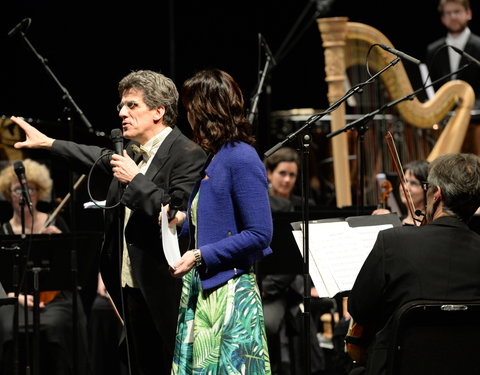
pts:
pixel 436 337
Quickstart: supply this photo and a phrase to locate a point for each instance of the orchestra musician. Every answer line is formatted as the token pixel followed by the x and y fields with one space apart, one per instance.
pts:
pixel 282 293
pixel 415 172
pixel 56 326
pixel 438 260
pixel 455 16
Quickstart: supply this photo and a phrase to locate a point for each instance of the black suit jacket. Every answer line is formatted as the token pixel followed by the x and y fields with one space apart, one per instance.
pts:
pixel 437 261
pixel 176 166
pixel 439 64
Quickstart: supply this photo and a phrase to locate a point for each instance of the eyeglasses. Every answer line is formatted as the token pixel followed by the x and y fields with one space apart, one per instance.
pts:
pixel 425 185
pixel 130 105
pixel 18 191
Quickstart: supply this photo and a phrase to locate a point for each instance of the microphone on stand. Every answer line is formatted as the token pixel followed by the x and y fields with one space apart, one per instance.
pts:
pixel 264 43
pixel 116 136
pixel 22 26
pixel 20 171
pixel 400 54
pixel 466 55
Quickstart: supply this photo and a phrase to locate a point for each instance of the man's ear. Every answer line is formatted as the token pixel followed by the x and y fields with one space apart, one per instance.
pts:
pixel 159 114
pixel 437 195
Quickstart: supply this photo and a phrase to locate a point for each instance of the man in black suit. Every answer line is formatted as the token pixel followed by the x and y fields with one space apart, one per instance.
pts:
pixel 439 260
pixel 168 162
pixel 455 16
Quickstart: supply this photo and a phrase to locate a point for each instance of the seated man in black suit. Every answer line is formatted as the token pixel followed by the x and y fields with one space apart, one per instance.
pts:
pixel 439 260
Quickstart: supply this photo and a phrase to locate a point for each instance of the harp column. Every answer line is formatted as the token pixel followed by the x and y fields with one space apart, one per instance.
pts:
pixel 333 32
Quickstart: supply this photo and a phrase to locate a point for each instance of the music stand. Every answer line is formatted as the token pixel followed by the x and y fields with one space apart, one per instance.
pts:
pixel 48 262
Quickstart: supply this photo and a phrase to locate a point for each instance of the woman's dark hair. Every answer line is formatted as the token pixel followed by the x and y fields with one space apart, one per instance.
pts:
pixel 215 107
pixel 284 154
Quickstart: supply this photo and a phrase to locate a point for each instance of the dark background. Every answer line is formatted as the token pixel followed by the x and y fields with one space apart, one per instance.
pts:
pixel 90 46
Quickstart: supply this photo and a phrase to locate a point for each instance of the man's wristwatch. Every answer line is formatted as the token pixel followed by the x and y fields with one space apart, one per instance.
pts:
pixel 198 257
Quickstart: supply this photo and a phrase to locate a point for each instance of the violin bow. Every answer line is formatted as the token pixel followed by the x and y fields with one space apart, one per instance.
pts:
pixel 55 213
pixel 401 175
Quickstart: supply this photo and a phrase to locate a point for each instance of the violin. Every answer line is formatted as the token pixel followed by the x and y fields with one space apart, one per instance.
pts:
pixel 387 188
pixel 357 340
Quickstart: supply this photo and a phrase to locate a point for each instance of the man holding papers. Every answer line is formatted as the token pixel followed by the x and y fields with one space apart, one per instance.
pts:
pixel 439 260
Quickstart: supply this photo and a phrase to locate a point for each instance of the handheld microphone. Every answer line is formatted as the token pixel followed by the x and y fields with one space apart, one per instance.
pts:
pixel 175 203
pixel 117 138
pixel 467 56
pixel 20 171
pixel 400 54
pixel 22 26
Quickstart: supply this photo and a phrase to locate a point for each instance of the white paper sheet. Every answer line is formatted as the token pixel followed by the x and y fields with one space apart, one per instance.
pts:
pixel 337 252
pixel 169 240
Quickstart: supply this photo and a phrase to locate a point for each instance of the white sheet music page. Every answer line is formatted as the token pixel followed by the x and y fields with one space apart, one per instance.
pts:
pixel 321 277
pixel 169 240
pixel 338 252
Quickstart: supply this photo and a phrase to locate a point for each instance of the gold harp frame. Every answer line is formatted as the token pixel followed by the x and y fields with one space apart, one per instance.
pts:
pixel 346 44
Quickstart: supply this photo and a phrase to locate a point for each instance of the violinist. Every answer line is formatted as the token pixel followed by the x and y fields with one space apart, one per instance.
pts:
pixel 56 326
pixel 415 172
pixel 438 260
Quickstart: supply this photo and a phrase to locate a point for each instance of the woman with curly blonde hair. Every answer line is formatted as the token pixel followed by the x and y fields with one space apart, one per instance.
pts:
pixel 56 325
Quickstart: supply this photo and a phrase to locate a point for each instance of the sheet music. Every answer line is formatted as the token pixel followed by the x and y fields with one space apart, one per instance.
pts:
pixel 169 240
pixel 338 251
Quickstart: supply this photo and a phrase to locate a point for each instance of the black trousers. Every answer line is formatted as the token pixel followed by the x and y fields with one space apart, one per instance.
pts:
pixel 148 352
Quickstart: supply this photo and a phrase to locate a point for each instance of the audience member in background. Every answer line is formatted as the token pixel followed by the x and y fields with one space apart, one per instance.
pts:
pixel 56 325
pixel 416 173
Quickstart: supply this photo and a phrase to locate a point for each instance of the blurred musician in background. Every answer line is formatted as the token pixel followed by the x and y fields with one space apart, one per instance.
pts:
pixel 282 293
pixel 415 173
pixel 56 326
pixel 455 16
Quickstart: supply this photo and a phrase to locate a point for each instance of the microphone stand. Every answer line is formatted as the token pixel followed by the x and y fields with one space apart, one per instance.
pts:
pixel 16 287
pixel 305 200
pixel 25 307
pixel 71 104
pixel 361 130
pixel 66 94
pixel 269 63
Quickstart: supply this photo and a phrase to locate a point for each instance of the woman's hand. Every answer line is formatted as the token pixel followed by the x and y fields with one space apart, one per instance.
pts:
pixel 381 211
pixel 184 265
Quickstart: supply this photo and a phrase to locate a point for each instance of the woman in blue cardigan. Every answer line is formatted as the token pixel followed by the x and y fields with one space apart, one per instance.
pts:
pixel 220 327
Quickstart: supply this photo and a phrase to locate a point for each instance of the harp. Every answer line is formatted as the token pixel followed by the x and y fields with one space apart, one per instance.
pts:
pixel 347 43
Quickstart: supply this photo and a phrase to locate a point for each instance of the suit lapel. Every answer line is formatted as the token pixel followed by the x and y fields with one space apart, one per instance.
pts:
pixel 162 154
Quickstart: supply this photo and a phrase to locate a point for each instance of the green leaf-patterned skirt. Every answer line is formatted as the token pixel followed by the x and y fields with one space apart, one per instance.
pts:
pixel 221 331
